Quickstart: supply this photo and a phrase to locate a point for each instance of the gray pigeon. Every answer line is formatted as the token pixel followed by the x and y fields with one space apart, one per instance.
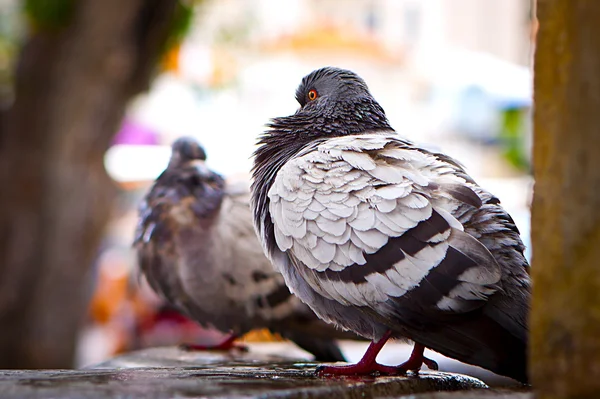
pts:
pixel 385 238
pixel 197 248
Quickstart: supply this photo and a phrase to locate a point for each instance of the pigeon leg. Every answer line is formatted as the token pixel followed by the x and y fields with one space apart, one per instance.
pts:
pixel 367 365
pixel 226 345
pixel 416 360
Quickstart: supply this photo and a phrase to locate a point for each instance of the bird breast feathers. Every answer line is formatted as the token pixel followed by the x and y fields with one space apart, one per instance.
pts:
pixel 337 204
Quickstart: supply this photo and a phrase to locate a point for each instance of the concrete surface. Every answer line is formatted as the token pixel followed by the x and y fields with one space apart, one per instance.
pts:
pixel 172 373
pixel 474 394
pixel 267 370
pixel 237 381
pixel 394 352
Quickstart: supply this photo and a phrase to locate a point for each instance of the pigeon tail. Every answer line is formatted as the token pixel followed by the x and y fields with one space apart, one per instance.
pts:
pixel 480 341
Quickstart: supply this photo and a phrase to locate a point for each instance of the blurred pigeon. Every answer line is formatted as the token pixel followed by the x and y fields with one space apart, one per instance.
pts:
pixel 385 238
pixel 197 248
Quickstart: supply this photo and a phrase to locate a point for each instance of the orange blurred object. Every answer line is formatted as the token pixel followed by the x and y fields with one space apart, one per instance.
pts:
pixel 111 288
pixel 263 335
pixel 326 38
pixel 170 61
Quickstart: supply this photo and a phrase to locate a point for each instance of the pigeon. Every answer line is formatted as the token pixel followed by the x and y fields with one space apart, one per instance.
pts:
pixel 385 238
pixel 197 248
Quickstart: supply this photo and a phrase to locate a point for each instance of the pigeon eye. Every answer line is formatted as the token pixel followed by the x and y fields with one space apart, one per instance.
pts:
pixel 312 95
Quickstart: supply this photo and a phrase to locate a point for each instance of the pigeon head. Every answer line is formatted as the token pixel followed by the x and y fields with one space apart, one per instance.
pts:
pixel 186 149
pixel 337 102
pixel 188 154
pixel 188 176
pixel 333 102
pixel 331 85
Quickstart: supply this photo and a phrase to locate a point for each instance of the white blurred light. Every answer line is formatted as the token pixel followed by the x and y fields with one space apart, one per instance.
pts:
pixel 129 163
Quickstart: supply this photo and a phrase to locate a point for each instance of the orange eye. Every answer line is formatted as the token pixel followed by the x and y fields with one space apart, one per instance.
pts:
pixel 312 95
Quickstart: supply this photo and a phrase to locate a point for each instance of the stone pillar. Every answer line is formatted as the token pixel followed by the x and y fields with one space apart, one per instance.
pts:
pixel 565 320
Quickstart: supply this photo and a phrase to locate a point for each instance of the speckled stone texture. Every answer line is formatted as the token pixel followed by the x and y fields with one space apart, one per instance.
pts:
pixel 172 373
pixel 472 394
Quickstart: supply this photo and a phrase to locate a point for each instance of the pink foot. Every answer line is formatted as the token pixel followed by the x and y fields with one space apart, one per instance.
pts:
pixel 226 345
pixel 416 360
pixel 367 365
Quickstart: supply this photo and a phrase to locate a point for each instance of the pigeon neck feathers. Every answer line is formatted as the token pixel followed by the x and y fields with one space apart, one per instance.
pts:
pixel 333 102
pixel 193 185
pixel 344 106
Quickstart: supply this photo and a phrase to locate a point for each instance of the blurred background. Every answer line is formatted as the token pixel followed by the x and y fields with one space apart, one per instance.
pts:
pixel 94 90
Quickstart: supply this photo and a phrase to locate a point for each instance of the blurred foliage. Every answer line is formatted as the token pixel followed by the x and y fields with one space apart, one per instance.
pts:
pixel 184 16
pixel 10 38
pixel 49 14
pixel 52 15
pixel 512 137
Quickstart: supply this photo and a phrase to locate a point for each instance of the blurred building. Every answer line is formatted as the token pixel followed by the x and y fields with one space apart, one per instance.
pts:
pixel 501 28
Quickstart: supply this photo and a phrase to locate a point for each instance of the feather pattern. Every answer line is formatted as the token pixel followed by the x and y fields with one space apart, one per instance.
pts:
pixel 197 248
pixel 409 227
pixel 375 233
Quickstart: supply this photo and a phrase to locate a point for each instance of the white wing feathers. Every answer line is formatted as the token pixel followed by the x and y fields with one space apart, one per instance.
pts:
pixel 368 217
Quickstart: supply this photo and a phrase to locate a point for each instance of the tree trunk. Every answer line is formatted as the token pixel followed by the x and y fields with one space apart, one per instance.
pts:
pixel 565 321
pixel 72 85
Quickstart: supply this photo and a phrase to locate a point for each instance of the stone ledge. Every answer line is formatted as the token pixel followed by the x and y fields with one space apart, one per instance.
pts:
pixel 169 372
pixel 236 381
pixel 473 394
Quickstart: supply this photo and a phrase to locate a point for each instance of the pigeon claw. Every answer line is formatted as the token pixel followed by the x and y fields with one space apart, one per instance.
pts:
pixel 431 364
pixel 368 366
pixel 415 365
pixel 417 360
